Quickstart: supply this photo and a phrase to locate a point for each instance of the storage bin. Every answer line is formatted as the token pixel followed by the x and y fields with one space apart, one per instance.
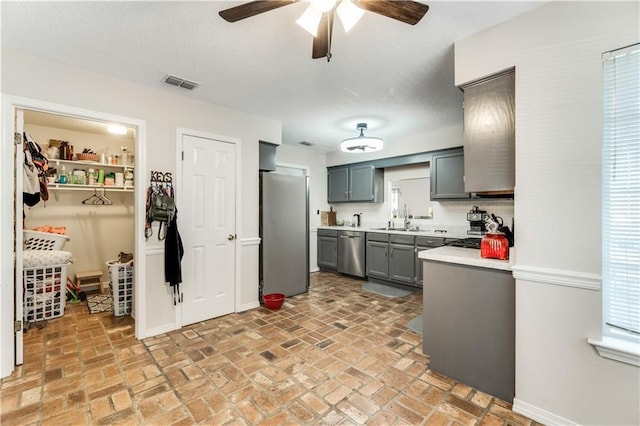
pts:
pixel 44 292
pixel 121 285
pixel 34 240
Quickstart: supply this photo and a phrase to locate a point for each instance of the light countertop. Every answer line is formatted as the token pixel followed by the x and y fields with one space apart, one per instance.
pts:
pixel 466 256
pixel 450 233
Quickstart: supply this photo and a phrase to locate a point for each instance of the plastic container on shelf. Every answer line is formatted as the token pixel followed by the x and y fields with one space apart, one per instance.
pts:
pixel 34 240
pixel 121 285
pixel 44 292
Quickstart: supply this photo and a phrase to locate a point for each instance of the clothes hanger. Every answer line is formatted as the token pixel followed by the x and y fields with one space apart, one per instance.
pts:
pixel 104 199
pixel 92 198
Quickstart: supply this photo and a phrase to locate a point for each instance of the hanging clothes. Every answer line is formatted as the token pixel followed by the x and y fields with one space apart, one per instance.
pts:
pixel 173 252
pixel 30 180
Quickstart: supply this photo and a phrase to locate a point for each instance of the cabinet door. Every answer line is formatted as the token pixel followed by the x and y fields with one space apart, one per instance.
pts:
pixel 402 263
pixel 338 185
pixel 377 259
pixel 489 134
pixel 327 252
pixel 447 175
pixel 361 182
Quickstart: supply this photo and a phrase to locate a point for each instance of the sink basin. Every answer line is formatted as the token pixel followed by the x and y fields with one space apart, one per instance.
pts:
pixel 389 229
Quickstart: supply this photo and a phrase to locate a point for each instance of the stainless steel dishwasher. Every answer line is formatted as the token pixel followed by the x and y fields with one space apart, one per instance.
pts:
pixel 351 253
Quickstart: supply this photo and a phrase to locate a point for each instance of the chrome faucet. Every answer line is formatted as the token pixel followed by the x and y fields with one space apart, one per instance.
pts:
pixel 406 218
pixel 358 216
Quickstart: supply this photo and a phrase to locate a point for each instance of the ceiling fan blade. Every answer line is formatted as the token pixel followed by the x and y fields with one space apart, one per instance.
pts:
pixel 409 12
pixel 252 8
pixel 322 42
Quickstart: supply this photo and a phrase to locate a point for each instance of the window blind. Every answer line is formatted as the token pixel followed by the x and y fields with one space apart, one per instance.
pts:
pixel 621 193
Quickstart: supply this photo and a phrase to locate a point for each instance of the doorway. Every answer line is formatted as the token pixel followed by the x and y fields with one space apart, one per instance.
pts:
pixel 11 297
pixel 207 215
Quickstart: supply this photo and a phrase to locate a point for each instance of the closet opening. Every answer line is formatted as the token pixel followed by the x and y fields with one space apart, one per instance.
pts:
pixel 78 239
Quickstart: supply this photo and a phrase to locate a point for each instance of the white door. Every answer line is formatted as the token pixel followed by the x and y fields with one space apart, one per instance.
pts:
pixel 206 219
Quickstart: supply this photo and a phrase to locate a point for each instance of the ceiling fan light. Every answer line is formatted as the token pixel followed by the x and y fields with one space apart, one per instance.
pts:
pixel 349 14
pixel 310 20
pixel 323 5
pixel 361 143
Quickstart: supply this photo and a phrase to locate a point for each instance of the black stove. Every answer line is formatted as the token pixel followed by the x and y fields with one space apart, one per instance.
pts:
pixel 470 242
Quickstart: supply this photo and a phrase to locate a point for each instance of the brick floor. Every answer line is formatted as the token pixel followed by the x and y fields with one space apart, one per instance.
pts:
pixel 337 355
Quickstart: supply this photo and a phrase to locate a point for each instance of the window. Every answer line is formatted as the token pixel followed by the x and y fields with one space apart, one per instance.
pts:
pixel 621 195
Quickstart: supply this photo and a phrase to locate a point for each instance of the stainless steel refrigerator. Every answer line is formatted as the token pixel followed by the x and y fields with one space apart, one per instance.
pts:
pixel 284 233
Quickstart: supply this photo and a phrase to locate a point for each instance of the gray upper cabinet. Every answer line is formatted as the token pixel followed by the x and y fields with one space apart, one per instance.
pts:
pixel 489 134
pixel 358 182
pixel 447 175
pixel 338 184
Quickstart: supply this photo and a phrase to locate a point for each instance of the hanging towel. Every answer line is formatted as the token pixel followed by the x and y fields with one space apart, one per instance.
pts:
pixel 173 252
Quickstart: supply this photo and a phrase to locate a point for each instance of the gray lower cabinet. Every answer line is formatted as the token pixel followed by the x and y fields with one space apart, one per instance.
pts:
pixel 392 257
pixel 447 175
pixel 424 243
pixel 327 249
pixel 402 259
pixel 378 255
pixel 469 326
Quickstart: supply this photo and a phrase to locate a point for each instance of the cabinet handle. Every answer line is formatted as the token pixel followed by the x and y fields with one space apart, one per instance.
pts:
pixel 391 253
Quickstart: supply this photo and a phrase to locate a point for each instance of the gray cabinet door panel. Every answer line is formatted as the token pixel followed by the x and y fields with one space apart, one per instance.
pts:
pixel 361 182
pixel 338 185
pixel 328 252
pixel 377 259
pixel 447 176
pixel 489 134
pixel 402 263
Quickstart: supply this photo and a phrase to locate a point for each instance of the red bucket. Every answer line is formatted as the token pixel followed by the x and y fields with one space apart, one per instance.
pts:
pixel 273 300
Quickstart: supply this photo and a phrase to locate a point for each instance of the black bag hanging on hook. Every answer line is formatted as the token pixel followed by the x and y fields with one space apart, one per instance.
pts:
pixel 161 205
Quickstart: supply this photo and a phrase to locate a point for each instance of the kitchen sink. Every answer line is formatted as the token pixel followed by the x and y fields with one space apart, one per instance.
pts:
pixel 389 229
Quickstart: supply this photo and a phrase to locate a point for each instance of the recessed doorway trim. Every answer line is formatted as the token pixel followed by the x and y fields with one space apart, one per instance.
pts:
pixel 10 104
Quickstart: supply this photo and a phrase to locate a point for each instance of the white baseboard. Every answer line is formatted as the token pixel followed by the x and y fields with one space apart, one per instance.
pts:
pixel 247 306
pixel 540 415
pixel 158 330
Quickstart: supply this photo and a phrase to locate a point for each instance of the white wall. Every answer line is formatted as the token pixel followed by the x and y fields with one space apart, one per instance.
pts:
pixel 163 111
pixel 556 50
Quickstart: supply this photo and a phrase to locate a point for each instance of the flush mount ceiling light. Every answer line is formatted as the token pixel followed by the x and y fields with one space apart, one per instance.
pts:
pixel 361 143
pixel 318 18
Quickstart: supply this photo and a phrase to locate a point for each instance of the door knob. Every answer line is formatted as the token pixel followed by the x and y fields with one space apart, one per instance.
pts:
pixel 231 237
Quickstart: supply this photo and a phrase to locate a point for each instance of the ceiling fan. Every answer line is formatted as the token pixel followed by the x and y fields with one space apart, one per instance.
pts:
pixel 319 16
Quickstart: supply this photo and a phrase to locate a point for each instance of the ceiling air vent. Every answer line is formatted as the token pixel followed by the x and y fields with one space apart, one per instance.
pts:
pixel 181 82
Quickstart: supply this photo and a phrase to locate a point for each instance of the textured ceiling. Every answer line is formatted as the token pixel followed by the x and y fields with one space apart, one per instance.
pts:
pixel 396 77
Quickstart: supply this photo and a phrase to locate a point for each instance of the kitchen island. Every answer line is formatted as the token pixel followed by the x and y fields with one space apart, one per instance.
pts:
pixel 469 319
